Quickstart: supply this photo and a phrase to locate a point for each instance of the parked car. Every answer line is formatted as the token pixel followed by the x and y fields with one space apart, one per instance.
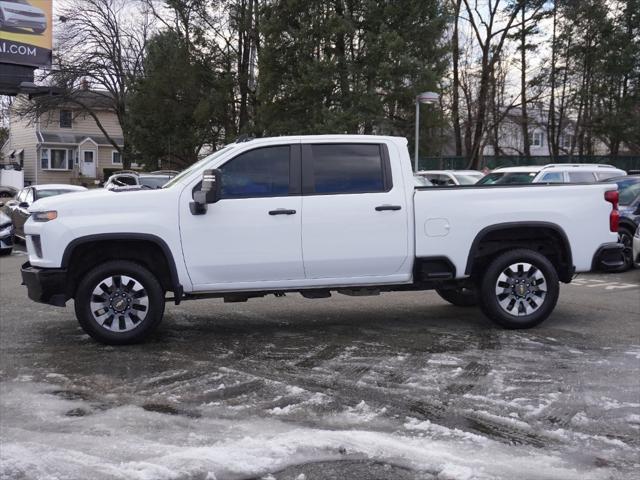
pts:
pixel 629 193
pixel 235 224
pixel 636 248
pixel 20 14
pixel 18 208
pixel 7 191
pixel 130 178
pixel 6 234
pixel 441 178
pixel 552 173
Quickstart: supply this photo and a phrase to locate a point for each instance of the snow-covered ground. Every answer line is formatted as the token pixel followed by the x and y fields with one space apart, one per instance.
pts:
pixel 512 407
pixel 396 387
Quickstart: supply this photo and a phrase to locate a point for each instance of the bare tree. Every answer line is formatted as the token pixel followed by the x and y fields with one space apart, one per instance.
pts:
pixel 491 26
pixel 100 49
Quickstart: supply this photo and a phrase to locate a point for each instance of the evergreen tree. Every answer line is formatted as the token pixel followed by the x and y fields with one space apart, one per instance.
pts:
pixel 348 66
pixel 178 106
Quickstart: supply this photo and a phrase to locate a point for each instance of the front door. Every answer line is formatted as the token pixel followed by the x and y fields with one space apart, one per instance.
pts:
pixel 355 218
pixel 88 163
pixel 253 233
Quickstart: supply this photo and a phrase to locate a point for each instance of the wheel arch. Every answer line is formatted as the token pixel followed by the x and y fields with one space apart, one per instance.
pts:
pixel 495 239
pixel 139 247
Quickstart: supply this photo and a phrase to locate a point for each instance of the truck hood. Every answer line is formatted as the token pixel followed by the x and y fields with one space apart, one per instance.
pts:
pixel 100 200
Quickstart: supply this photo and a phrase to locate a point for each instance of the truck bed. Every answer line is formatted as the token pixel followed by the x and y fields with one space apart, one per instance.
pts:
pixel 448 219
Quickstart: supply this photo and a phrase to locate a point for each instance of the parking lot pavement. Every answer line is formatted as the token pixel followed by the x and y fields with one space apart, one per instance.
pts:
pixel 399 386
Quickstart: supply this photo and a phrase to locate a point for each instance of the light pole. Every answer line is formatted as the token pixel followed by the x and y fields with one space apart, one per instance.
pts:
pixel 424 97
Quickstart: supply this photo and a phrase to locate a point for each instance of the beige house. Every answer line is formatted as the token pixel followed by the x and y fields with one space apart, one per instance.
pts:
pixel 64 145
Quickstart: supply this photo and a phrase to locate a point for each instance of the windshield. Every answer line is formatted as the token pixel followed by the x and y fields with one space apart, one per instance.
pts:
pixel 467 178
pixel 155 181
pixel 508 178
pixel 196 166
pixel 628 191
pixel 51 193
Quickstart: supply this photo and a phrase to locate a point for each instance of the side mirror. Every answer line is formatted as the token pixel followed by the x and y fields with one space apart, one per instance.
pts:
pixel 209 192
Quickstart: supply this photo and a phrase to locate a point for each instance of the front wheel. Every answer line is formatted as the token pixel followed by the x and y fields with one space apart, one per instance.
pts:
pixel 119 302
pixel 519 289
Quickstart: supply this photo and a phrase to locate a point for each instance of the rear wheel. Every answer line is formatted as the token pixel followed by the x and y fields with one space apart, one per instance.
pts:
pixel 39 31
pixel 519 289
pixel 119 302
pixel 625 237
pixel 460 296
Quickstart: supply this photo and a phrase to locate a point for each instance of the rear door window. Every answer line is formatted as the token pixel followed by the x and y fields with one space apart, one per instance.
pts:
pixel 581 177
pixel 345 168
pixel 553 177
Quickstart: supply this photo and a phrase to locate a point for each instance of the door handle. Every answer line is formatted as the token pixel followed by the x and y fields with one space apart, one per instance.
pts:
pixel 282 211
pixel 382 208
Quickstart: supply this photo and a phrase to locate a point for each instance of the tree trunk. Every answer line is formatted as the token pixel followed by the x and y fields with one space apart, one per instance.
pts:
pixel 523 87
pixel 455 107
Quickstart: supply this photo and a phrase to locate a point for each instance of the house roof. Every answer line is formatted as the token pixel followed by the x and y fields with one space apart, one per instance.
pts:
pixel 75 138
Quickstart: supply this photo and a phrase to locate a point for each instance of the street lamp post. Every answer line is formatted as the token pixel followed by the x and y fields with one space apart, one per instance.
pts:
pixel 424 97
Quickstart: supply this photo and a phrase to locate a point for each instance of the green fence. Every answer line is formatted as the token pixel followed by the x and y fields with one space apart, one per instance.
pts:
pixel 459 163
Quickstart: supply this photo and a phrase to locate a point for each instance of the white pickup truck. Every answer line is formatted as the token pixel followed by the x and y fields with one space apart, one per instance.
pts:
pixel 313 214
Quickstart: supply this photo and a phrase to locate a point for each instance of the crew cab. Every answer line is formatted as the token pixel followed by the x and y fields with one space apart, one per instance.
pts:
pixel 314 215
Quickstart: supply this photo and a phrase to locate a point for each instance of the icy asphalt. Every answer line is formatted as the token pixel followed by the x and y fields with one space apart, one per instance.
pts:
pixel 400 386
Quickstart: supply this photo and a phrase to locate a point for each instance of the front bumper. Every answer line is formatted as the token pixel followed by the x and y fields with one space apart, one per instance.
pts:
pixel 608 258
pixel 45 285
pixel 6 242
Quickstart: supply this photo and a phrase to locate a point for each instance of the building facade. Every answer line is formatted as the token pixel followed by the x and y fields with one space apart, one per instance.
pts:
pixel 64 145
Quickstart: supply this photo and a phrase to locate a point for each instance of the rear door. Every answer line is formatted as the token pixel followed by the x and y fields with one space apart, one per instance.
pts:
pixel 355 217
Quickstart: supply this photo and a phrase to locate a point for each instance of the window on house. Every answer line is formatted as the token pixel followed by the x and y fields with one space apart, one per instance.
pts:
pixel 66 119
pixel 537 139
pixel 56 159
pixel 116 158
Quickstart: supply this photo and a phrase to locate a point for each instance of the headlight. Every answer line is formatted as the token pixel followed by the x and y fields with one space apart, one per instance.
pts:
pixel 44 216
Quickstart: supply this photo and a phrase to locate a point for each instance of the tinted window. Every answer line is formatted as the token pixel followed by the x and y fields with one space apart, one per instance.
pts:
pixel 157 181
pixel 347 168
pixel 580 177
pixel 263 172
pixel 125 180
pixel 628 192
pixel 607 175
pixel 508 178
pixel 440 180
pixel 553 177
pixel 51 193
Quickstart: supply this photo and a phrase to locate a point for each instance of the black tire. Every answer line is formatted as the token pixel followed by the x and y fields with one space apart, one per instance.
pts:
pixel 460 296
pixel 104 328
pixel 39 31
pixel 625 237
pixel 522 288
pixel 5 251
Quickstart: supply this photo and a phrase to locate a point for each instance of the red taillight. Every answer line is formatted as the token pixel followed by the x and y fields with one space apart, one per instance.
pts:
pixel 614 217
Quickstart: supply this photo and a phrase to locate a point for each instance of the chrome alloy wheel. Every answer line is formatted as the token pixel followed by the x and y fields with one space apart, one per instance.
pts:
pixel 119 303
pixel 521 289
